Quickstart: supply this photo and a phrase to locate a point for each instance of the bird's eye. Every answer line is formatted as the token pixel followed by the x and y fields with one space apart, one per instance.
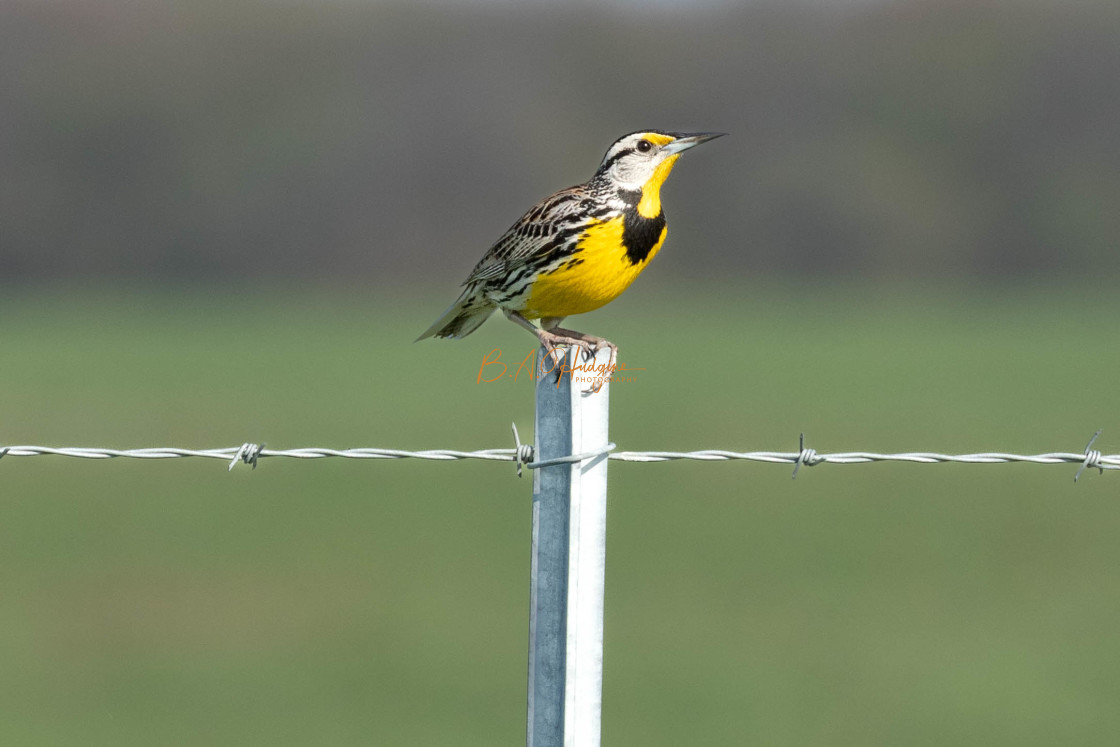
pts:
pixel 644 146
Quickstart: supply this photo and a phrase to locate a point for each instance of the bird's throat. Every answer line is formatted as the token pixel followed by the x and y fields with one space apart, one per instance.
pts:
pixel 649 206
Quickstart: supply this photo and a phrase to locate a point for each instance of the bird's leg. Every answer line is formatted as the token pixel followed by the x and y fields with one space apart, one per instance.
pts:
pixel 550 338
pixel 546 339
pixel 589 343
pixel 595 343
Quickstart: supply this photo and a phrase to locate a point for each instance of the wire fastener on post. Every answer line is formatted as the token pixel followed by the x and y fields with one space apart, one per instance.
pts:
pixel 573 458
pixel 523 454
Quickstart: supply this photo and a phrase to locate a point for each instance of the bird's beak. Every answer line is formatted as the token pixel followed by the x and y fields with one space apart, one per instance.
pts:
pixel 686 140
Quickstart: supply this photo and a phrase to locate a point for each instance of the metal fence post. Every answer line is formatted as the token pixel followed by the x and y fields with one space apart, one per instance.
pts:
pixel 569 560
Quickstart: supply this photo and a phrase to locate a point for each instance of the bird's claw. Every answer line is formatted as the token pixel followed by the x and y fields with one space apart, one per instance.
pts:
pixel 588 344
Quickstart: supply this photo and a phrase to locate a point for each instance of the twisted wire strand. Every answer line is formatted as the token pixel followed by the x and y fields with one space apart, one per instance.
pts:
pixel 250 453
pixel 255 451
pixel 810 457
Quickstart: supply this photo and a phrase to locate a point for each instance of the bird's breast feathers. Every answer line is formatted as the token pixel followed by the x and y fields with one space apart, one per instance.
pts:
pixel 608 256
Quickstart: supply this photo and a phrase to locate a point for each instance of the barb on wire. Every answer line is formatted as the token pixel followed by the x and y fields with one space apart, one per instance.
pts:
pixel 808 457
pixel 522 455
pixel 1092 457
pixel 248 454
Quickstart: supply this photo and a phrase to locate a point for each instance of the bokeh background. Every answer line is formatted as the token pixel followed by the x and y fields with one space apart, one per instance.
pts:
pixel 227 221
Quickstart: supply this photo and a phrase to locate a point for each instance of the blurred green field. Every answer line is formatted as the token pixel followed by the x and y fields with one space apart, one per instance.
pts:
pixel 348 602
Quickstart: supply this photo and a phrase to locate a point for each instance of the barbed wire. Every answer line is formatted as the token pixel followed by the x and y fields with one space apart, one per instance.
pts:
pixel 522 455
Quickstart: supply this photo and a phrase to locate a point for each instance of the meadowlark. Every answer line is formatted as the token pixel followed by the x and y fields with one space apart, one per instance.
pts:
pixel 576 250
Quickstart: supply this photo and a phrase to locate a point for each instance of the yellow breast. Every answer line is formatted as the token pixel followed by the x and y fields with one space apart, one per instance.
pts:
pixel 595 275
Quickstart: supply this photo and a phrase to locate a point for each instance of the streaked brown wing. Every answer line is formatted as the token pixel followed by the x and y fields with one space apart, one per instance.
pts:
pixel 535 235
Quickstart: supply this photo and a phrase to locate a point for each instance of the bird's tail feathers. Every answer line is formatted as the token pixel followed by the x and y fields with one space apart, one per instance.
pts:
pixel 465 316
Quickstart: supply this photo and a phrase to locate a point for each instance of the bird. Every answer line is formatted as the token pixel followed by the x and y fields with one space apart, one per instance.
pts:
pixel 576 250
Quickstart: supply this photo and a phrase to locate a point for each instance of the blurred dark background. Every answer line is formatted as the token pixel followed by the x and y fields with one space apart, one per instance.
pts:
pixel 385 142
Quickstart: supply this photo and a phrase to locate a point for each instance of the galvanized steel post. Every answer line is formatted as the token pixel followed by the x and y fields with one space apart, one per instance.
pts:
pixel 569 558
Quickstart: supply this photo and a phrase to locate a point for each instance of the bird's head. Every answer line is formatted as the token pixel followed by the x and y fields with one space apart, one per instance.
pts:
pixel 633 159
pixel 641 161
